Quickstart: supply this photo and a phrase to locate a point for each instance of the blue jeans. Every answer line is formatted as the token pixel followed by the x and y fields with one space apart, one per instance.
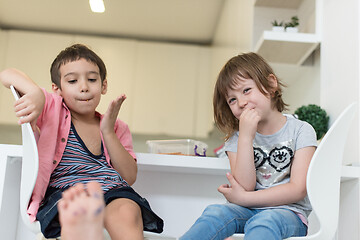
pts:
pixel 220 221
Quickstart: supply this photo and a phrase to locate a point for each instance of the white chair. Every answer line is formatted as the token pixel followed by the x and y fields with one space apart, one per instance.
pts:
pixel 323 177
pixel 30 166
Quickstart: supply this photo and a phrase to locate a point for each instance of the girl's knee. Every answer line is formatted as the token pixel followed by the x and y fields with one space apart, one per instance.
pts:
pixel 269 222
pixel 215 210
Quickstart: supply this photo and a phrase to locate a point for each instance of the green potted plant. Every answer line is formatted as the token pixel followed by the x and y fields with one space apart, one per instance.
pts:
pixel 278 26
pixel 316 117
pixel 292 25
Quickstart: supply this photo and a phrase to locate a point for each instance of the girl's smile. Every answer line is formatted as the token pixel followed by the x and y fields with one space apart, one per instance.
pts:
pixel 246 95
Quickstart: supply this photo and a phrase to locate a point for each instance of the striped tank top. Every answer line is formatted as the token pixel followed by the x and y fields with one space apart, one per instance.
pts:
pixel 79 165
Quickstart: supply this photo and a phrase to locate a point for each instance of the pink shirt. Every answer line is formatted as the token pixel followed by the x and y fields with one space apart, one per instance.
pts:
pixel 54 124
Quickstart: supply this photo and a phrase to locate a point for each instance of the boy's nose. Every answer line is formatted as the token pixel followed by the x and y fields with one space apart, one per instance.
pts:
pixel 84 87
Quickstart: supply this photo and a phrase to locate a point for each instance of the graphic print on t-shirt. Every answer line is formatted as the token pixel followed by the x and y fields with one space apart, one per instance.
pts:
pixel 273 163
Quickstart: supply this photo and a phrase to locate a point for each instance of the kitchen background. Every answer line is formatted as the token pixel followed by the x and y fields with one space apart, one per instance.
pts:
pixel 165 55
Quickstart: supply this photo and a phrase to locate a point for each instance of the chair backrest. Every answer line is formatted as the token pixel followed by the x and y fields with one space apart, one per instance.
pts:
pixel 29 171
pixel 323 178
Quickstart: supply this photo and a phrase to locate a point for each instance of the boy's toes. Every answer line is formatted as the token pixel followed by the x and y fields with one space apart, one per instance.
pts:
pixel 74 191
pixel 94 189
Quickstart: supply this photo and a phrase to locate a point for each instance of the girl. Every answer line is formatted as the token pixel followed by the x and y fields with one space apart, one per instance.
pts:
pixel 269 155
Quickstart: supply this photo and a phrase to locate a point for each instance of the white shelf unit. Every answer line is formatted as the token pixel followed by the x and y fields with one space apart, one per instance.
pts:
pixel 283 47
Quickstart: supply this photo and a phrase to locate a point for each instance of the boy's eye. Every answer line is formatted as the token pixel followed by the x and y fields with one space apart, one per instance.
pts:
pixel 92 79
pixel 72 81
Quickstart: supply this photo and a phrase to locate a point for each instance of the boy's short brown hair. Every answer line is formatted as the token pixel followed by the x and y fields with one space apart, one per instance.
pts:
pixel 248 66
pixel 73 53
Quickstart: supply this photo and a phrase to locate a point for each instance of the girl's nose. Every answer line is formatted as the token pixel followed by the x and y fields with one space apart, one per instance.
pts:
pixel 242 102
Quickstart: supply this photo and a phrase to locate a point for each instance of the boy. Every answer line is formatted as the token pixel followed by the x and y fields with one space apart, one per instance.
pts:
pixel 78 145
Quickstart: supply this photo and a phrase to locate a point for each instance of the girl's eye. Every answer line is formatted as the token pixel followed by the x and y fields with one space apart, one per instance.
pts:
pixel 246 90
pixel 231 100
pixel 72 81
pixel 92 79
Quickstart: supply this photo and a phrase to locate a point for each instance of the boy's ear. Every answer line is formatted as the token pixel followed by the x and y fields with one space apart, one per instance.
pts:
pixel 104 87
pixel 56 89
pixel 273 81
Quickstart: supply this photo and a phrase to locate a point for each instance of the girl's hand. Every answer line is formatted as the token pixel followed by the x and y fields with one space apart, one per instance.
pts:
pixel 234 192
pixel 248 123
pixel 109 119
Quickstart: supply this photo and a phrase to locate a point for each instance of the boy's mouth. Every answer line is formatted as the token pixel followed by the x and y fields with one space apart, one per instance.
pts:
pixel 84 100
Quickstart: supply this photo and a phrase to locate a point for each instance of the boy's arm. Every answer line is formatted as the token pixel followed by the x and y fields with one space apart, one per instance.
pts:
pixel 32 100
pixel 242 162
pixel 121 160
pixel 287 193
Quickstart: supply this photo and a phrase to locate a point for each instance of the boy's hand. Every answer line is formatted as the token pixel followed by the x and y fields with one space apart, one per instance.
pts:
pixel 29 107
pixel 248 123
pixel 109 119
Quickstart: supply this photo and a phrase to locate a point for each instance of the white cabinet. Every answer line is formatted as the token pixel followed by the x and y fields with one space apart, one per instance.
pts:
pixel 284 47
pixel 166 87
pixel 3 44
pixel 33 53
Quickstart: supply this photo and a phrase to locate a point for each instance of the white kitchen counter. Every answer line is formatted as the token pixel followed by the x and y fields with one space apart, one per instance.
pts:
pixel 206 165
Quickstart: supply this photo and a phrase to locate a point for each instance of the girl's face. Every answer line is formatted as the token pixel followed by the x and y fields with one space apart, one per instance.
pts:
pixel 246 95
pixel 81 86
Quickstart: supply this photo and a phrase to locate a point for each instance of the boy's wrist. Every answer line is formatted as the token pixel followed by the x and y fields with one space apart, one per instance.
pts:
pixel 108 132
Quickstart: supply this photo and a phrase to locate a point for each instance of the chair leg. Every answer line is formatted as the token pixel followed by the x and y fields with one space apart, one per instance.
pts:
pixel 9 202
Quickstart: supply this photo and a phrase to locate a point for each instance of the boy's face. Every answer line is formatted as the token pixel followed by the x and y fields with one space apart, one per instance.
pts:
pixel 246 95
pixel 81 86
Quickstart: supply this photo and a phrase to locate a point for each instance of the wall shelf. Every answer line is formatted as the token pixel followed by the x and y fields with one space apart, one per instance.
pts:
pixel 284 47
pixel 289 48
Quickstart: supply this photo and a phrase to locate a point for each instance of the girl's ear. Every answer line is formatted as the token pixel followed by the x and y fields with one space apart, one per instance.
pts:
pixel 56 89
pixel 273 82
pixel 104 87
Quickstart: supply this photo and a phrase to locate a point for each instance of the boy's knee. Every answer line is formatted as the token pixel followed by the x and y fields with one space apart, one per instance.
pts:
pixel 124 210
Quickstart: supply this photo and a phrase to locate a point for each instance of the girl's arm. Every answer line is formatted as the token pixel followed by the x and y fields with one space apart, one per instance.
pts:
pixel 287 193
pixel 121 160
pixel 32 100
pixel 242 162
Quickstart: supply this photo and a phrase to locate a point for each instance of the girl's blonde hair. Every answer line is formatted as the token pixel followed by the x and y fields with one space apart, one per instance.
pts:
pixel 248 66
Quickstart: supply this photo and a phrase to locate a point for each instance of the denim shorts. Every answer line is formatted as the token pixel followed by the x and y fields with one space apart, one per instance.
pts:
pixel 49 219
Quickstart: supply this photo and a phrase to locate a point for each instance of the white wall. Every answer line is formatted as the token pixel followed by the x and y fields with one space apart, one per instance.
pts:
pixel 303 83
pixel 339 87
pixel 340 64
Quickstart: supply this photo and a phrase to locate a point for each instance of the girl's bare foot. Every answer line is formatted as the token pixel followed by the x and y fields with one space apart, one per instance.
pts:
pixel 81 212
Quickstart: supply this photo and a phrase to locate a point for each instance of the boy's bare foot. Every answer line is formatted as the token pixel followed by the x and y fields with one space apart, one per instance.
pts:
pixel 81 212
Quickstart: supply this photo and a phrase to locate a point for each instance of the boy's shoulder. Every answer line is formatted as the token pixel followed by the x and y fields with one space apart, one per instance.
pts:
pixel 51 95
